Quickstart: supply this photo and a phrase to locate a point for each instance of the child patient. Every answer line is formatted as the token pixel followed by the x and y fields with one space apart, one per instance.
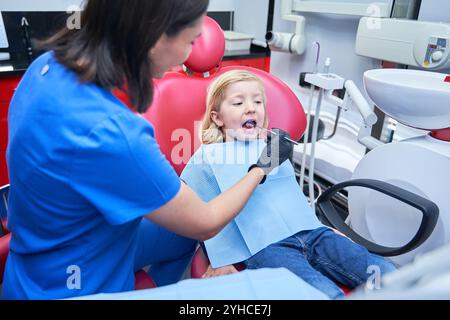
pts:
pixel 236 112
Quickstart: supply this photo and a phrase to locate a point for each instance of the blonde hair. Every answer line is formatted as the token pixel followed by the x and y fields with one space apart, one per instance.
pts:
pixel 209 131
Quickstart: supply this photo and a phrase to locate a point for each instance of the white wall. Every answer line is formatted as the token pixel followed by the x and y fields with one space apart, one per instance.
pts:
pixel 250 15
pixel 251 18
pixel 336 34
pixel 435 10
pixel 62 5
pixel 222 5
pixel 38 5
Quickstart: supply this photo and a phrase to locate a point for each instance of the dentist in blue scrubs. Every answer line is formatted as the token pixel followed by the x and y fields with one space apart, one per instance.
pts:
pixel 92 197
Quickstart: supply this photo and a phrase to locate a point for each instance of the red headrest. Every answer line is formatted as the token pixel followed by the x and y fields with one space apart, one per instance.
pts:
pixel 208 49
pixel 180 104
pixel 180 100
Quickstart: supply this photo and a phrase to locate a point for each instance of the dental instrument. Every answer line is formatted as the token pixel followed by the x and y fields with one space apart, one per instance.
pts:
pixel 306 138
pixel 325 82
pixel 275 134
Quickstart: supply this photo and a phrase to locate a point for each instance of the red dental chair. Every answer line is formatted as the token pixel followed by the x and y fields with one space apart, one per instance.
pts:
pixel 180 103
pixel 180 99
pixel 178 108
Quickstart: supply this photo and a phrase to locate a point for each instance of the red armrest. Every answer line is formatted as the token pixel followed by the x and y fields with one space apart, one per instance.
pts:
pixel 4 223
pixel 4 250
pixel 143 281
pixel 199 264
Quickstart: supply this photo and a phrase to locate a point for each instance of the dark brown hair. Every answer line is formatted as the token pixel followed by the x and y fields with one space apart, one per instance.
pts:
pixel 112 46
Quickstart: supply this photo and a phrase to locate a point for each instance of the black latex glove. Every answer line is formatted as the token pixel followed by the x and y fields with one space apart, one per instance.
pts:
pixel 277 151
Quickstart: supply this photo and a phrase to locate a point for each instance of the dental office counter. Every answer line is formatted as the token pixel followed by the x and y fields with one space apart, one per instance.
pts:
pixel 257 57
pixel 8 83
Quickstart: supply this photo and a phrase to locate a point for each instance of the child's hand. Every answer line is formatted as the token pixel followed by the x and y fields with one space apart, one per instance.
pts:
pixel 211 272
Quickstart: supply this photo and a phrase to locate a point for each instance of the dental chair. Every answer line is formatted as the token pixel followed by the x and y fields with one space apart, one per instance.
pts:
pixel 179 105
pixel 179 101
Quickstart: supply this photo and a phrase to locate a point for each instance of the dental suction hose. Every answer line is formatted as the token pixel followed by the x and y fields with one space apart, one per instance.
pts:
pixel 369 117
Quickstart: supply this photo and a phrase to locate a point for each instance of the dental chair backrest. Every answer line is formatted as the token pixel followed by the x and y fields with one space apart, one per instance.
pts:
pixel 180 99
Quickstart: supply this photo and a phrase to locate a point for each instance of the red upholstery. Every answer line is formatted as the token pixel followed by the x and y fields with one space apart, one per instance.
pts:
pixel 4 223
pixel 211 33
pixel 180 100
pixel 179 107
pixel 199 264
pixel 4 250
pixel 143 281
pixel 443 134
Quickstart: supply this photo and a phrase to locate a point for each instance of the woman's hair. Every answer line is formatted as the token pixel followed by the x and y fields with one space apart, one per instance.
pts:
pixel 209 131
pixel 112 46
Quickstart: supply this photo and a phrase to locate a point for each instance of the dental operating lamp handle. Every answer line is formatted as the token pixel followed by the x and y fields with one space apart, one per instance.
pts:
pixel 370 118
pixel 370 142
pixel 429 211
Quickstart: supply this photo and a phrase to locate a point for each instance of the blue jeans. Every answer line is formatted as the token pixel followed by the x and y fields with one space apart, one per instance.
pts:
pixel 167 253
pixel 321 257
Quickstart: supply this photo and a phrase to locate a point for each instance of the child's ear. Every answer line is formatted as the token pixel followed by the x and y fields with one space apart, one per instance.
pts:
pixel 215 117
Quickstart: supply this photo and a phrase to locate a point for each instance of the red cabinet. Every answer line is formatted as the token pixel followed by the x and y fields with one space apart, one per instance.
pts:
pixel 8 84
pixel 258 63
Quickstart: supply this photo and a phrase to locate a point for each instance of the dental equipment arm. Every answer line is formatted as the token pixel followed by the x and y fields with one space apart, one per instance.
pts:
pixel 365 133
pixel 429 209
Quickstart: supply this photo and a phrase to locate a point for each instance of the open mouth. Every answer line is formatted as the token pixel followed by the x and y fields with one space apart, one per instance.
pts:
pixel 249 124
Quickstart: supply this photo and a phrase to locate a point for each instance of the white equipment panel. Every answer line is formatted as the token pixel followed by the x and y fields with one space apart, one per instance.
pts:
pixel 416 43
pixel 3 38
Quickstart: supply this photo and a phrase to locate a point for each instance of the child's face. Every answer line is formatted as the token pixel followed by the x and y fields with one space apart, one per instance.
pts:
pixel 242 113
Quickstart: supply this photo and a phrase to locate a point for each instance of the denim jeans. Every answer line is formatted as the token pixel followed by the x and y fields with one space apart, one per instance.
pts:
pixel 321 257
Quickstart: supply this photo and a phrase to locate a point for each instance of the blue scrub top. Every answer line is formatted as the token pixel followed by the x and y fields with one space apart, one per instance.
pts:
pixel 84 170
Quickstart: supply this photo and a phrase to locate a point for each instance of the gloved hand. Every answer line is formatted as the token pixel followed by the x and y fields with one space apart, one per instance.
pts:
pixel 277 151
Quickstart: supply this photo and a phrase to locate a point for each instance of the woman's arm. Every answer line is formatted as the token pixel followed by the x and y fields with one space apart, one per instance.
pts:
pixel 189 216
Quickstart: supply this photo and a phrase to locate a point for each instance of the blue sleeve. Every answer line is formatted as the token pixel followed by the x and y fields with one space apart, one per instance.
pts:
pixel 121 171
